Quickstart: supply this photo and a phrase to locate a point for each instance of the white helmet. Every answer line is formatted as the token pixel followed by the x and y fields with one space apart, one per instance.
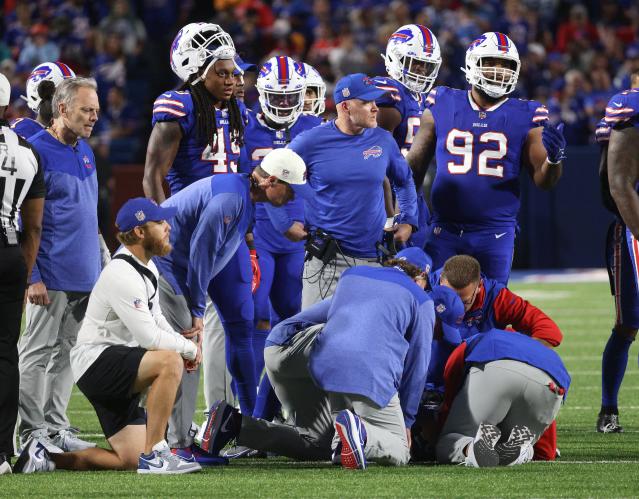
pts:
pixel 314 81
pixel 495 81
pixel 51 71
pixel 199 43
pixel 281 84
pixel 413 57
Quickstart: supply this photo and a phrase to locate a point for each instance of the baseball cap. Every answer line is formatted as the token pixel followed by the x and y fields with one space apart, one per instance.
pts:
pixel 243 66
pixel 356 86
pixel 450 310
pixel 138 211
pixel 417 257
pixel 5 90
pixel 286 165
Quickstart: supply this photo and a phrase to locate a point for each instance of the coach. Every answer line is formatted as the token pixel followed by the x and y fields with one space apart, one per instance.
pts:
pixel 67 266
pixel 22 195
pixel 347 160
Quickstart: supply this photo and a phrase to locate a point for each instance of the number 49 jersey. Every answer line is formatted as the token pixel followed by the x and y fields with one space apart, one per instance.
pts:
pixel 479 156
pixel 195 159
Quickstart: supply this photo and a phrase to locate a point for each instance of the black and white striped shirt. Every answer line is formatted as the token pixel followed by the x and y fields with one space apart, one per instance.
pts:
pixel 21 176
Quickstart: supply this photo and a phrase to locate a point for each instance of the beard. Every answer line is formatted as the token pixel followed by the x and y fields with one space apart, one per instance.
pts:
pixel 157 247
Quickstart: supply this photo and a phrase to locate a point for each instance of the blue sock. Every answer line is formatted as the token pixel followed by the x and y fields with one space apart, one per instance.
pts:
pixel 259 338
pixel 613 368
pixel 267 404
pixel 241 362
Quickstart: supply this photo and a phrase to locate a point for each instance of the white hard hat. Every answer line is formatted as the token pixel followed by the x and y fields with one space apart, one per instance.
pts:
pixel 286 165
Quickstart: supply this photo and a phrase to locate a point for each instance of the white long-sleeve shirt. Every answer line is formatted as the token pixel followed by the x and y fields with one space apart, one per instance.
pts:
pixel 118 314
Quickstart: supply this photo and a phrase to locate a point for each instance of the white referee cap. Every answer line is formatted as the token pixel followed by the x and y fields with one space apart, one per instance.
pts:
pixel 5 90
pixel 286 165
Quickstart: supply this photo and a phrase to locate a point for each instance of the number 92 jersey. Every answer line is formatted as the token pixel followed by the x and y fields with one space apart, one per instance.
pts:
pixel 195 159
pixel 479 155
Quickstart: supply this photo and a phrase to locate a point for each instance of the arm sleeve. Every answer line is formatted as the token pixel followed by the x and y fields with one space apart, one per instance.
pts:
pixel 416 363
pixel 207 240
pixel 317 314
pixel 279 217
pixel 174 106
pixel 402 179
pixel 511 309
pixel 128 298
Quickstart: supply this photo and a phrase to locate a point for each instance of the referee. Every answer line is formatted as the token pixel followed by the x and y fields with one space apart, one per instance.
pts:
pixel 22 193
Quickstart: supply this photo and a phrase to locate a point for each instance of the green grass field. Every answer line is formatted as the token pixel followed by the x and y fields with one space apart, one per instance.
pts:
pixel 591 464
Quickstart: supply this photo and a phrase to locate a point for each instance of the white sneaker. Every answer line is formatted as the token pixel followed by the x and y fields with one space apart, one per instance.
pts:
pixel 161 461
pixel 43 437
pixel 518 449
pixel 68 441
pixel 34 458
pixel 481 452
pixel 5 466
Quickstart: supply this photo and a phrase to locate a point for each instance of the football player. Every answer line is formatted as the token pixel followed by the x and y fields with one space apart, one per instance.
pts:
pixel 482 139
pixel 188 143
pixel 278 233
pixel 412 61
pixel 621 251
pixel 315 96
pixel 39 97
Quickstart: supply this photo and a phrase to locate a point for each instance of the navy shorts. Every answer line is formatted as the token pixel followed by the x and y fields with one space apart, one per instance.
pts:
pixel 108 383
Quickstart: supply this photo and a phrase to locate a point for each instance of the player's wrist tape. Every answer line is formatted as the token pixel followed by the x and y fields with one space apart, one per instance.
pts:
pixel 554 163
pixel 390 221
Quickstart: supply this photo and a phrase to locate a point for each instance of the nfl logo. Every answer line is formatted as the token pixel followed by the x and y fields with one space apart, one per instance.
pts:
pixel 346 92
pixel 137 303
pixel 139 215
pixel 482 115
pixel 279 134
pixel 437 231
pixel 441 308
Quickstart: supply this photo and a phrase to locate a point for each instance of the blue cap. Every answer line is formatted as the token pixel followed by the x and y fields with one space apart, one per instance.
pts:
pixel 244 66
pixel 356 86
pixel 450 310
pixel 417 257
pixel 138 211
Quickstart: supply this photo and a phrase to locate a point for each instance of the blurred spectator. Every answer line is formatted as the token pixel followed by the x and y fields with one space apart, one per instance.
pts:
pixel 37 48
pixel 123 122
pixel 577 32
pixel 122 22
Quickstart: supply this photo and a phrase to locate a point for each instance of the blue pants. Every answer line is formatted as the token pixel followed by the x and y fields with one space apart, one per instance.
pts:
pixel 281 283
pixel 230 291
pixel 622 260
pixel 492 247
pixel 423 215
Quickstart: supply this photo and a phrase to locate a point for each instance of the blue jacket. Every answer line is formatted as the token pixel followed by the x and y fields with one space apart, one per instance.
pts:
pixel 69 254
pixel 213 216
pixel 377 337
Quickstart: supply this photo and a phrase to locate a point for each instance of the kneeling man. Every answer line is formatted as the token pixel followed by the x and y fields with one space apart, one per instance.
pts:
pixel 125 346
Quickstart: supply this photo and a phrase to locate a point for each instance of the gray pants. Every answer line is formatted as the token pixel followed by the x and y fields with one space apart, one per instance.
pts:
pixel 503 393
pixel 320 280
pixel 217 379
pixel 46 380
pixel 178 313
pixel 312 411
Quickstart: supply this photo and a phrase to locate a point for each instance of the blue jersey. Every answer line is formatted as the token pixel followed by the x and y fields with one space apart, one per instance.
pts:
pixel 390 337
pixel 195 159
pixel 410 106
pixel 26 127
pixel 479 156
pixel 69 254
pixel 212 218
pixel 345 174
pixel 271 222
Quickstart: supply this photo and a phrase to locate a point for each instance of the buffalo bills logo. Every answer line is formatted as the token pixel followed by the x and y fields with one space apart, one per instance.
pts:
pixel 299 69
pixel 265 70
pixel 87 162
pixel 477 42
pixel 401 36
pixel 176 41
pixel 374 152
pixel 40 74
pixel 368 81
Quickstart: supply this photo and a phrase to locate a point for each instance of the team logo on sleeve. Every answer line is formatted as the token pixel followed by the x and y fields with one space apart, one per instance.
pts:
pixel 374 152
pixel 137 303
pixel 87 162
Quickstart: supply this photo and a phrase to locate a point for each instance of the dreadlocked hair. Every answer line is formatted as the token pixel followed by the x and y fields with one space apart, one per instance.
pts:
pixel 205 124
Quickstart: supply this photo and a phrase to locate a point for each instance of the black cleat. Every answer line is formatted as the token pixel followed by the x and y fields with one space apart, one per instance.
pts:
pixel 608 423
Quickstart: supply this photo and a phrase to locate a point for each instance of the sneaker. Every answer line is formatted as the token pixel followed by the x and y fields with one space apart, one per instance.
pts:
pixel 161 461
pixel 481 452
pixel 608 423
pixel 518 449
pixel 199 455
pixel 67 440
pixel 34 458
pixel 43 437
pixel 5 465
pixel 239 451
pixel 222 426
pixel 352 435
